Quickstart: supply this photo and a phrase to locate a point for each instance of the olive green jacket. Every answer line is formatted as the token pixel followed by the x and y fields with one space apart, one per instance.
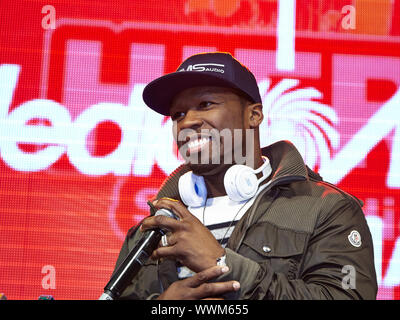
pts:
pixel 294 242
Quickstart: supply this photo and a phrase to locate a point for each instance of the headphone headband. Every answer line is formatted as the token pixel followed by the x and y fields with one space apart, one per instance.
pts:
pixel 240 182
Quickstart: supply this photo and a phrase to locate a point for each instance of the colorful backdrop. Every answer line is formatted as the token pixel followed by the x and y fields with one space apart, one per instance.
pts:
pixel 80 153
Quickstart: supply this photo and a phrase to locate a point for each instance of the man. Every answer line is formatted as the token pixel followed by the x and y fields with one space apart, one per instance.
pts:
pixel 258 226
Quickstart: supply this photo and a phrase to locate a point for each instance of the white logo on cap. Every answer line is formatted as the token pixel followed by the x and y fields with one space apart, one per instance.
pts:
pixel 355 238
pixel 209 67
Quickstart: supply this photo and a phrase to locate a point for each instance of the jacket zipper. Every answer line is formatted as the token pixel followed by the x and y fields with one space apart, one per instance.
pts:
pixel 273 183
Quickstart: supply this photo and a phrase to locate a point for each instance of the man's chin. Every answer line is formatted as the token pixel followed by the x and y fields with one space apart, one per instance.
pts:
pixel 207 169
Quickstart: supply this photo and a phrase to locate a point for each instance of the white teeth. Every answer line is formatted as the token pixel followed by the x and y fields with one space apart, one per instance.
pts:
pixel 198 142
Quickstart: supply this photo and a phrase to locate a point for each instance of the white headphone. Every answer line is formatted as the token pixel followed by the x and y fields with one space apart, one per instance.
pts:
pixel 240 183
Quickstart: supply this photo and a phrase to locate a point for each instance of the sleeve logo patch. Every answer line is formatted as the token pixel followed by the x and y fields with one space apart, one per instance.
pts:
pixel 355 238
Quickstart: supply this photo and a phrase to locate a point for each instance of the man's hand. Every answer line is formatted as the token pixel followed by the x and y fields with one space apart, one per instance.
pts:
pixel 197 287
pixel 189 241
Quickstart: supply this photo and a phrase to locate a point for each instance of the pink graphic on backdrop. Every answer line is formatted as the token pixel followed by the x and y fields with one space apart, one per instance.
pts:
pixel 82 85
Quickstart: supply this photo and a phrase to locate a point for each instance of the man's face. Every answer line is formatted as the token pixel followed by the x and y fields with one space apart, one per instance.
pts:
pixel 208 125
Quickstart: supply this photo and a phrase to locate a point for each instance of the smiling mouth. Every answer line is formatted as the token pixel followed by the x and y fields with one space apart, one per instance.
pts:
pixel 196 145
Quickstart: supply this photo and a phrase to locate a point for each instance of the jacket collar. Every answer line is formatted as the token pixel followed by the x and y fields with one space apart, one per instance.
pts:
pixel 285 160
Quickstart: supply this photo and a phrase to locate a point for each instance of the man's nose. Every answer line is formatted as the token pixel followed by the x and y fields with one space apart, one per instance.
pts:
pixel 192 120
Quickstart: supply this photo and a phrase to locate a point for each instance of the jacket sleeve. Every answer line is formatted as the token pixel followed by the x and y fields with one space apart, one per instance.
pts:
pixel 331 268
pixel 145 285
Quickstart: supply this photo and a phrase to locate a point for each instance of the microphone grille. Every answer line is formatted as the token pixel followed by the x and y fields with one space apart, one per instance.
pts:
pixel 167 213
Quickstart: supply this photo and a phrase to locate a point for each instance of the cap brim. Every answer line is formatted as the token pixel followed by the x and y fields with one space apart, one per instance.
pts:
pixel 159 93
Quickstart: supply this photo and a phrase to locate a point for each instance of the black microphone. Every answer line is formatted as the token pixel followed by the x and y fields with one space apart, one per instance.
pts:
pixel 136 258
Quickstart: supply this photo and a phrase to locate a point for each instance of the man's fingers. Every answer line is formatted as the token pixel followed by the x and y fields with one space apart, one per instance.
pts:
pixel 165 222
pixel 161 222
pixel 206 275
pixel 176 206
pixel 201 288
pixel 163 252
pixel 216 289
pixel 169 241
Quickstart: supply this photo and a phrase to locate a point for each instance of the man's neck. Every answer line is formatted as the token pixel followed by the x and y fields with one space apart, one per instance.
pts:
pixel 215 184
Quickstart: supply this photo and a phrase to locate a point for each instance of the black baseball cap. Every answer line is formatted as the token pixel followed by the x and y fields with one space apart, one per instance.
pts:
pixel 205 69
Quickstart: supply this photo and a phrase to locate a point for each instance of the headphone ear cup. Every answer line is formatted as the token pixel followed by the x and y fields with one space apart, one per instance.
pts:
pixel 192 189
pixel 240 182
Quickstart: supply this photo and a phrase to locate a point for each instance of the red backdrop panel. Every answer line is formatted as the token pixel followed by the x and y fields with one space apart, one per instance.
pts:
pixel 80 153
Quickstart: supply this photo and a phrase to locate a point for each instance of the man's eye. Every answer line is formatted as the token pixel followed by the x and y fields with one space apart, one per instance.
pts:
pixel 177 115
pixel 205 104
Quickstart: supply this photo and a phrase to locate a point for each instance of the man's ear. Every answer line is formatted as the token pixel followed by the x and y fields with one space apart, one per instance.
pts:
pixel 255 115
